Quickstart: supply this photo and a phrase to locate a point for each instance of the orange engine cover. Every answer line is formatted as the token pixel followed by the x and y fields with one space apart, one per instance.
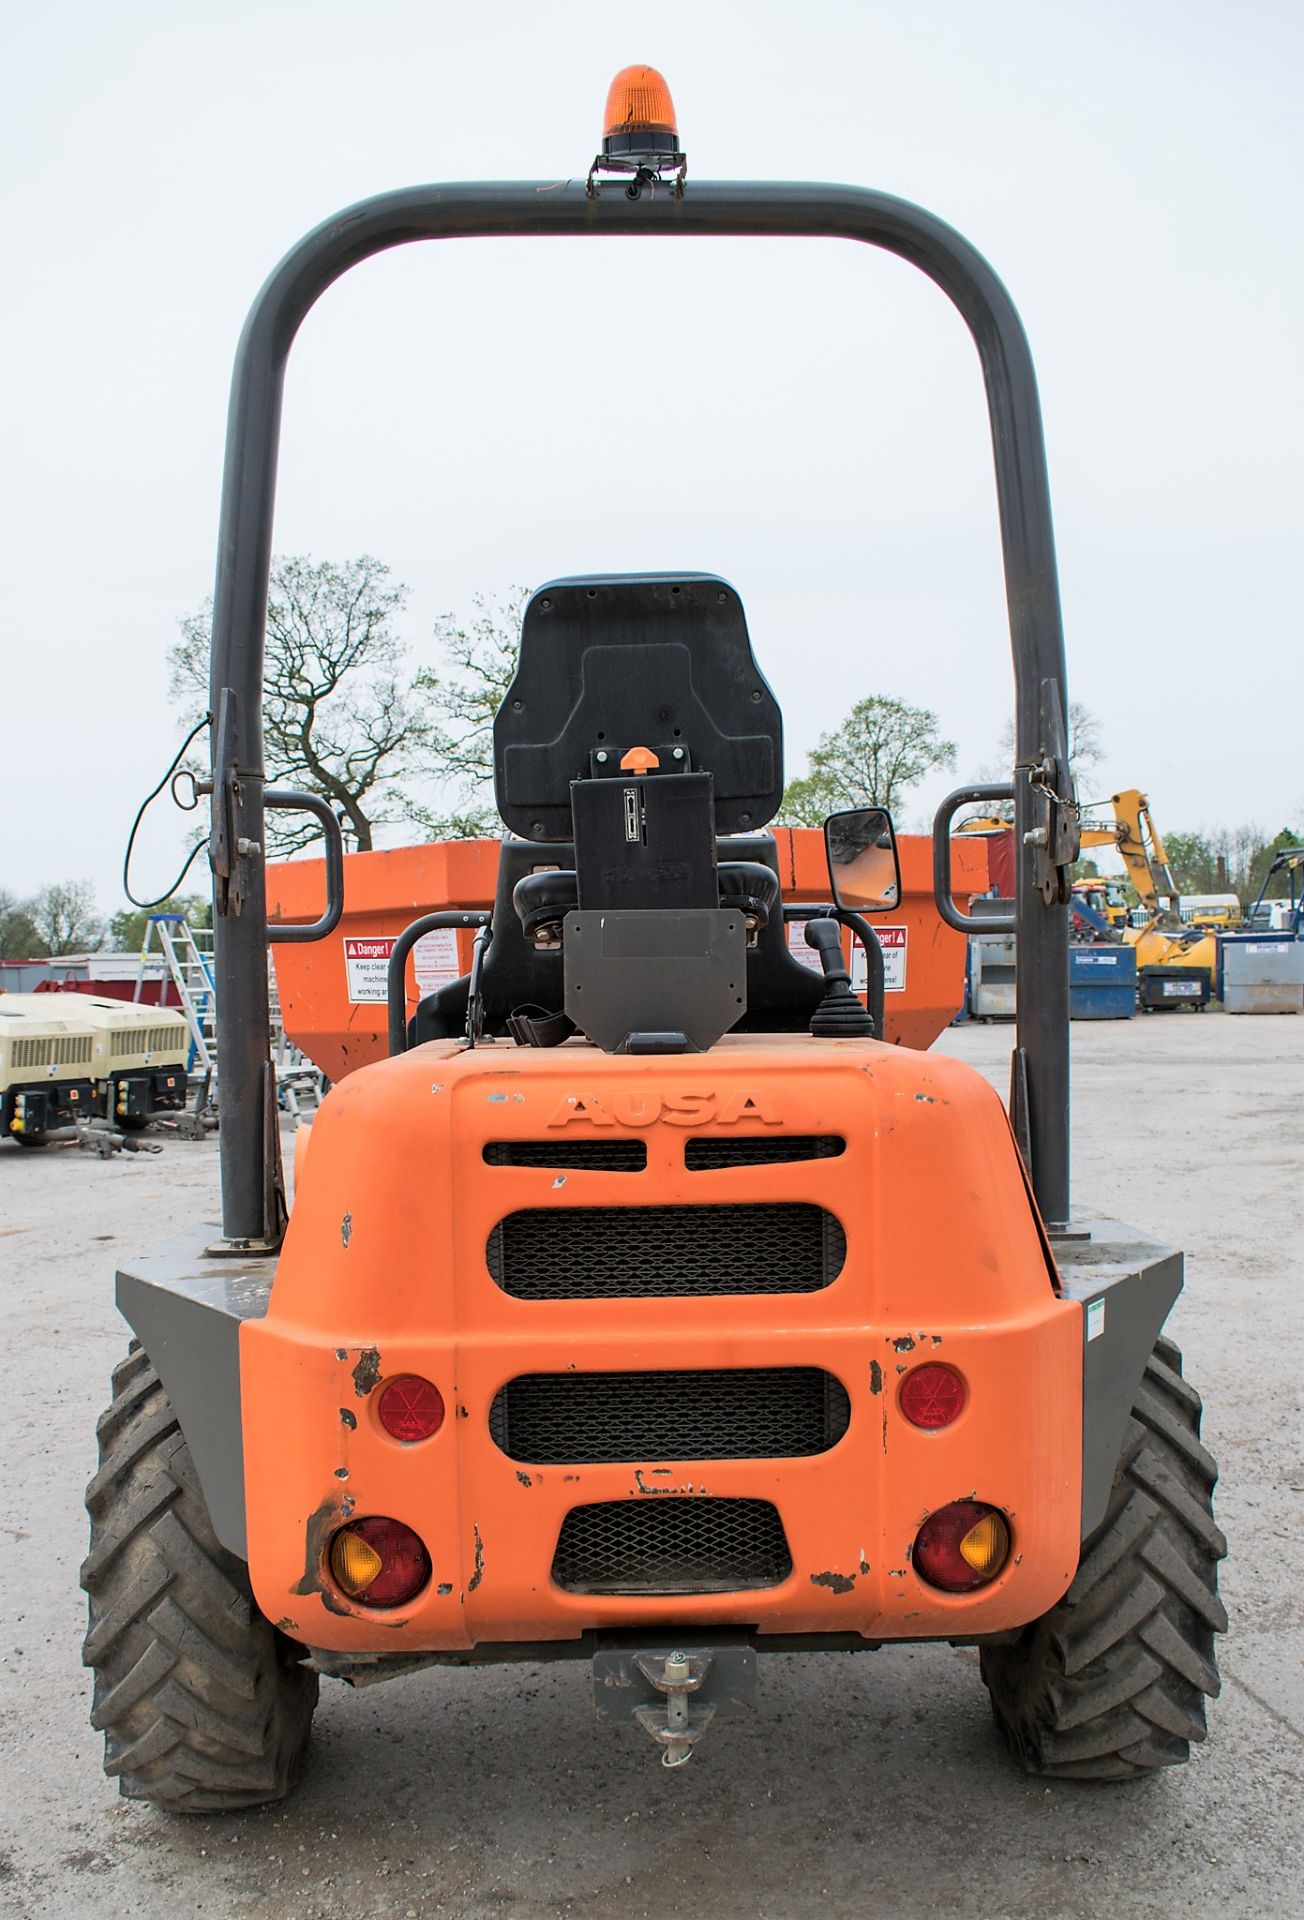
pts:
pixel 398 1261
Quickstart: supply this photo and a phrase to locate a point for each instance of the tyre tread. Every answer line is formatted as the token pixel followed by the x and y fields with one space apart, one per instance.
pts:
pixel 200 1700
pixel 1111 1684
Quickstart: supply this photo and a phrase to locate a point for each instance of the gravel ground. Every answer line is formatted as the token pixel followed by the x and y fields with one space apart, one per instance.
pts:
pixel 875 1785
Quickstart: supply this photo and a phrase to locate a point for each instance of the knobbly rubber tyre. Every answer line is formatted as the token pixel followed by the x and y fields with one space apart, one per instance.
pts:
pixel 201 1702
pixel 30 1140
pixel 1111 1683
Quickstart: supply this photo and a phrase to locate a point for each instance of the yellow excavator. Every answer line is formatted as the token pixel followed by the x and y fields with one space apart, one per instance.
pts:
pixel 1164 940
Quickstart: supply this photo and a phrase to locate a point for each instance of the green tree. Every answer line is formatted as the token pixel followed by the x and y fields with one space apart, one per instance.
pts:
pixel 340 714
pixel 881 750
pixel 1194 863
pixel 1227 860
pixel 478 661
pixel 127 929
pixel 65 918
pixel 20 938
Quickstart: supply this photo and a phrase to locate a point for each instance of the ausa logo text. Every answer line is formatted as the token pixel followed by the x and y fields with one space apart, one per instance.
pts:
pixel 690 1109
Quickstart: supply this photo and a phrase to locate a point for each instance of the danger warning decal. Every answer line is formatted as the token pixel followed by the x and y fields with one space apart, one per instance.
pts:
pixel 893 942
pixel 366 963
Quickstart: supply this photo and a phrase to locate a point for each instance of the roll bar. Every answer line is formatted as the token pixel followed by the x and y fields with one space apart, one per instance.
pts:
pixel 1044 813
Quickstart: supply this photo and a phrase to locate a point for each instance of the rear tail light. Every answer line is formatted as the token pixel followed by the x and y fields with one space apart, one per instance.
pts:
pixel 962 1546
pixel 932 1396
pixel 379 1562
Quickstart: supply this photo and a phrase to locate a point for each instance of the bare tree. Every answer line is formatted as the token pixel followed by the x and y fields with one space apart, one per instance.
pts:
pixel 882 749
pixel 339 715
pixel 1086 750
pixel 65 918
pixel 479 661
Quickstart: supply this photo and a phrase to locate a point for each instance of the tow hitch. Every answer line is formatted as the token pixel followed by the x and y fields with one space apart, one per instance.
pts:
pixel 673 1693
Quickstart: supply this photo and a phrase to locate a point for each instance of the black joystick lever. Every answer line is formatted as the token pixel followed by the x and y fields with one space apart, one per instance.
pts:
pixel 839 1015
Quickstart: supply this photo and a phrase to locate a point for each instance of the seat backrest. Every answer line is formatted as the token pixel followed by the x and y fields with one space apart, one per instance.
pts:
pixel 614 661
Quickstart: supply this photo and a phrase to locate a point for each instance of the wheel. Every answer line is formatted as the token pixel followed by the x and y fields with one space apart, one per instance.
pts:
pixel 200 1700
pixel 1111 1683
pixel 30 1139
pixel 130 1122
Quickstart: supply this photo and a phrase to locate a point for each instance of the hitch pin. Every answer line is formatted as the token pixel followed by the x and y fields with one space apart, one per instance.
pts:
pixel 675 1728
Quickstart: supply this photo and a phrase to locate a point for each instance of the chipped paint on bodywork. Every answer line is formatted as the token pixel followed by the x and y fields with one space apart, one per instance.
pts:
pixel 346 1231
pixel 835 1582
pixel 478 1575
pixel 349 1418
pixel 367 1372
pixel 322 1523
pixel 641 1486
pixel 875 1377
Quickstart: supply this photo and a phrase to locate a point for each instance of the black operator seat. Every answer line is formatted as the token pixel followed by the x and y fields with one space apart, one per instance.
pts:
pixel 643 683
pixel 637 692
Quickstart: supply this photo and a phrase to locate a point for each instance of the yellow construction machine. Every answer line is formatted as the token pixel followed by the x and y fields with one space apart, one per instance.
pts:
pixel 1165 940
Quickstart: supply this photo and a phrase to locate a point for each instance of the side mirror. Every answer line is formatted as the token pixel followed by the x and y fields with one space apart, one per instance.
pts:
pixel 864 870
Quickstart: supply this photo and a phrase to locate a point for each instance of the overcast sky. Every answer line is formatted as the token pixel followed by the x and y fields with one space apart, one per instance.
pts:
pixel 482 414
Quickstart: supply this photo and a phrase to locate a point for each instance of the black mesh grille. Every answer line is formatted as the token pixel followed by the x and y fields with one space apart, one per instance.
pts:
pixel 666 1545
pixel 625 1253
pixel 706 1151
pixel 603 1156
pixel 747 1413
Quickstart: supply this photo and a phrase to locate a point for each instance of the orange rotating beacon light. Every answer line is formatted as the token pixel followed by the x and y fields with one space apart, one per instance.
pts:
pixel 639 134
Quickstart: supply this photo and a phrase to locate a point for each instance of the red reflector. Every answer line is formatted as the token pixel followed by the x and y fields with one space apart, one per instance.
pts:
pixel 962 1546
pixel 405 1564
pixel 931 1396
pixel 410 1408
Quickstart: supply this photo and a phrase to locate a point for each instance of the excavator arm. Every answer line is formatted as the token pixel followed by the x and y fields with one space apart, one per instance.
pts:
pixel 1135 835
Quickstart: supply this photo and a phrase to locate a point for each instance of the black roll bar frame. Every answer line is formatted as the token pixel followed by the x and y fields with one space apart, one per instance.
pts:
pixel 762 209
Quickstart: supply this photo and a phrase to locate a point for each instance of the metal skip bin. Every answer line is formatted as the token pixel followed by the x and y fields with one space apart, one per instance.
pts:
pixel 1261 973
pixel 993 965
pixel 1102 983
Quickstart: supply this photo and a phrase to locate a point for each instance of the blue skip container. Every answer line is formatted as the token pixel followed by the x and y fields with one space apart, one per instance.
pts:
pixel 1102 983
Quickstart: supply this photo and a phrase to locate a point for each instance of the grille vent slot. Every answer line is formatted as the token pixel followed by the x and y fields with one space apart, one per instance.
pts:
pixel 54 1050
pixel 602 1156
pixel 744 1413
pixel 138 1041
pixel 668 1545
pixel 705 1152
pixel 633 1253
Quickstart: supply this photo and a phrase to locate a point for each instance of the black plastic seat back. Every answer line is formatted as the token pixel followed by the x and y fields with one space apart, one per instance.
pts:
pixel 610 662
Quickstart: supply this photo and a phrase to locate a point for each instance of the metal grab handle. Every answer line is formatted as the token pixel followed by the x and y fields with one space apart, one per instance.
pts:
pixel 291 800
pixel 942 894
pixel 395 982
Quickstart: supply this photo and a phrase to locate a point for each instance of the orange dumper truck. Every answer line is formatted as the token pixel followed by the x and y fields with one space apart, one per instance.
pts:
pixel 640 1303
